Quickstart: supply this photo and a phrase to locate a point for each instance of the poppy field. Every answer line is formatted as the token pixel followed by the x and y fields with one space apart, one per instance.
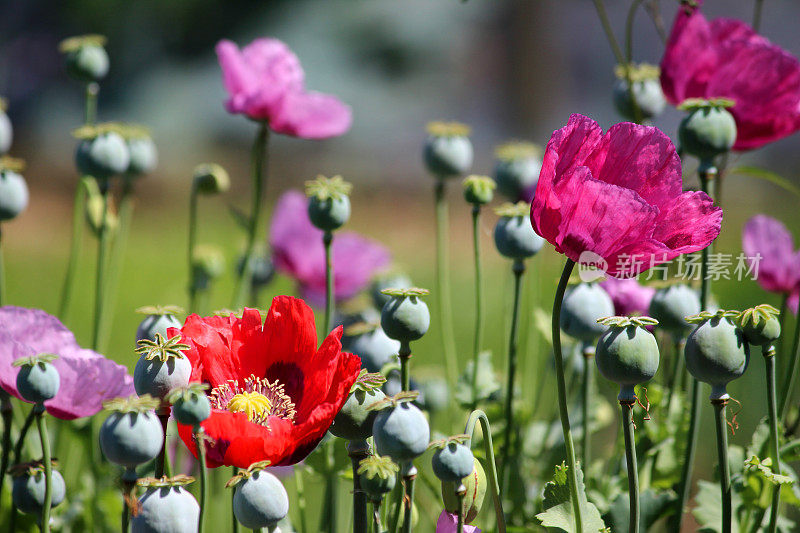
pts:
pixel 587 337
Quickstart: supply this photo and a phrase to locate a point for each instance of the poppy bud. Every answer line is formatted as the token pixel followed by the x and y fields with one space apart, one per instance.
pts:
pixel 158 320
pixel 210 178
pixel 447 151
pixel 377 476
pixel 190 404
pixel 646 91
pixel 716 351
pixel 328 202
pixel 761 325
pixel 161 367
pixel 516 169
pixel 401 431
pixel 709 129
pixel 354 421
pixel 479 190
pixel 86 57
pixel 476 485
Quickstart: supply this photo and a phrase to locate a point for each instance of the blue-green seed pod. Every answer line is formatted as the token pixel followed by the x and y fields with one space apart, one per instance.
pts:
pixel 716 352
pixel 671 305
pixel 374 347
pixel 646 91
pixel 38 382
pixel 329 214
pixel 761 325
pixel 447 151
pixel 131 438
pixel 27 491
pixel 405 317
pixel 355 420
pixel 452 462
pixel 479 190
pixel 143 155
pixel 6 132
pixel 103 156
pixel 156 323
pixel 260 501
pixel 13 194
pixel 583 305
pixel 377 476
pixel 387 281
pixel 516 169
pixel 191 410
pixel 476 485
pixel 627 354
pixel 166 510
pixel 401 432
pixel 87 63
pixel 708 130
pixel 513 234
pixel 161 367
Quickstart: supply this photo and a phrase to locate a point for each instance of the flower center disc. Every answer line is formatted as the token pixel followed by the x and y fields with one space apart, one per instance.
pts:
pixel 252 404
pixel 257 398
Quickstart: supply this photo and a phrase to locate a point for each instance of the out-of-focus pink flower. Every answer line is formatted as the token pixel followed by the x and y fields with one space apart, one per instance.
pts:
pixel 770 248
pixel 794 301
pixel 87 378
pixel 265 81
pixel 629 296
pixel 448 523
pixel 298 252
pixel 726 58
pixel 619 195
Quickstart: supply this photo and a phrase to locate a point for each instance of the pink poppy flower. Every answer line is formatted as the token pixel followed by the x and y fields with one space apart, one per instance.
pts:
pixel 265 81
pixel 629 296
pixel 87 378
pixel 619 196
pixel 770 248
pixel 726 58
pixel 298 252
pixel 448 523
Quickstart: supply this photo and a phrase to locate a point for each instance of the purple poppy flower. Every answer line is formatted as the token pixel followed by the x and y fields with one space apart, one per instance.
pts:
pixel 265 81
pixel 298 252
pixel 448 522
pixel 87 378
pixel 779 262
pixel 628 295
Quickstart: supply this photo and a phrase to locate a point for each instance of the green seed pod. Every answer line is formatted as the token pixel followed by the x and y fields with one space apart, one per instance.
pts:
pixel 513 235
pixel 405 317
pixel 210 178
pixel 479 190
pixel 761 325
pixel 6 131
pixel 627 353
pixel 13 193
pixel 354 421
pixel 476 485
pixel 377 476
pixel 37 380
pixel 86 57
pixel 516 169
pixel 102 151
pixel 144 155
pixel 671 305
pixel 447 151
pixel 708 130
pixel 646 91
pixel 328 202
pixel 452 462
pixel 583 305
pixel 716 351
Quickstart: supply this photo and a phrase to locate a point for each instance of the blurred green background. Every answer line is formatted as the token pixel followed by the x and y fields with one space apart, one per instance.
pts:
pixel 510 69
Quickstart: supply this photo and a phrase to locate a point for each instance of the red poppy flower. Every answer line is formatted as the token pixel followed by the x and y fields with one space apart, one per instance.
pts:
pixel 726 58
pixel 273 393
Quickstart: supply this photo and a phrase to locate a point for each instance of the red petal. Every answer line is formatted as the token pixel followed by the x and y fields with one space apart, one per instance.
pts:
pixel 209 340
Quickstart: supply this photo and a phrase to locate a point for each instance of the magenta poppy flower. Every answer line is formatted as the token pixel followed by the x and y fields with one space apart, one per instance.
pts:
pixel 619 196
pixel 768 243
pixel 448 523
pixel 726 58
pixel 298 252
pixel 265 81
pixel 87 378
pixel 629 296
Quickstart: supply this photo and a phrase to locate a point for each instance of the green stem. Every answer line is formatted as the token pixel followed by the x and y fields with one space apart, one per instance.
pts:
pixel 476 348
pixel 161 460
pixel 44 525
pixel 655 15
pixel 518 269
pixel 791 374
pixel 301 497
pixel 479 416
pixel 2 272
pixel 74 249
pixel 358 450
pixel 630 457
pixel 100 279
pixel 757 14
pixel 235 523
pixel 459 514
pixel 586 396
pixel 443 280
pixel 199 436
pixel 562 395
pixel 128 488
pixel 377 526
pixel 329 510
pixel 7 414
pixel 259 156
pixel 409 479
pixel 769 360
pixel 637 111
pixel 405 362
pixel 724 469
pixel 193 197
pixel 601 12
pixel 330 297
pixel 90 109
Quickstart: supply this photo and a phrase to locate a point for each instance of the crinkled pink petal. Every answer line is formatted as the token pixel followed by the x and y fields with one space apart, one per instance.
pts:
pixel 311 116
pixel 448 523
pixel 87 378
pixel 274 63
pixel 690 57
pixel 298 252
pixel 629 296
pixel 779 263
pixel 691 224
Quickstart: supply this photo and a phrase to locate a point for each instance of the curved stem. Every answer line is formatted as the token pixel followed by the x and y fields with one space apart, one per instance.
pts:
pixel 757 14
pixel 769 362
pixel 7 414
pixel 199 436
pixel 358 450
pixel 791 374
pixel 724 469
pixel 44 525
pixel 259 157
pixel 562 395
pixel 630 458
pixel 476 348
pixel 405 372
pixel 479 416
pixel 193 197
pixel 519 270
pixel 74 249
pixel 601 12
pixel 586 397
pixel 327 241
pixel 100 277
pixel 443 280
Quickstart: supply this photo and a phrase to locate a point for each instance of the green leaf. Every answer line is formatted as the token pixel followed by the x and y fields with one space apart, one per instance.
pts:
pixel 767 175
pixel 557 505
pixel 653 507
pixel 764 469
pixel 708 511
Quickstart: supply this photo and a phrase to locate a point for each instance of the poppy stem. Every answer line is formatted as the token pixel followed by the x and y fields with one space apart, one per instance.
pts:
pixel 676 372
pixel 518 269
pixel 637 111
pixel 161 467
pixel 479 416
pixel 44 525
pixel 377 526
pixel 769 363
pixel 100 278
pixel 409 477
pixel 562 395
pixel 75 247
pixel 6 409
pixel 128 486
pixel 460 492
pixel 791 374
pixel 443 280
pixel 301 496
pixel 235 528
pixel 193 196
pixel 199 436
pixel 259 162
pixel 405 362
pixel 358 450
pixel 2 271
pixel 724 469
pixel 626 406
pixel 327 241
pixel 601 13
pixel 476 348
pixel 23 432
pixel 586 397
pixel 757 14
pixel 90 109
